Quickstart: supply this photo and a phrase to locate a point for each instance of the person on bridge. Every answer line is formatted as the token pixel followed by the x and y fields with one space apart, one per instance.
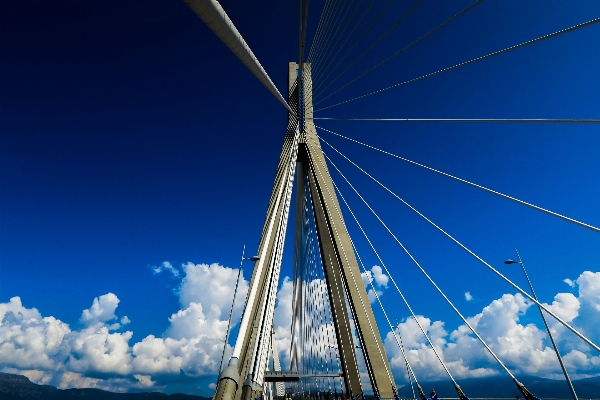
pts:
pixel 434 395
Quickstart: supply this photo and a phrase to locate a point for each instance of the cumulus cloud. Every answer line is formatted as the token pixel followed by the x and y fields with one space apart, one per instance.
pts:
pixel 194 340
pixel 376 276
pixel 380 278
pixel 194 356
pixel 468 296
pixel 98 352
pixel 377 279
pixel 282 321
pixel 212 286
pixel 28 341
pixel 589 289
pixel 102 310
pixel 49 351
pixel 582 311
pixel 144 380
pixel 523 347
pixel 566 306
pixel 569 282
pixel 166 266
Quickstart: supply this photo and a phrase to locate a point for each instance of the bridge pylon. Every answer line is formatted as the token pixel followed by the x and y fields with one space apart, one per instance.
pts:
pixel 354 324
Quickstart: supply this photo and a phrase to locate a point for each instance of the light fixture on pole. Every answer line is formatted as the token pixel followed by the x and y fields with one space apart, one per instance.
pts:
pixel 509 261
pixel 255 258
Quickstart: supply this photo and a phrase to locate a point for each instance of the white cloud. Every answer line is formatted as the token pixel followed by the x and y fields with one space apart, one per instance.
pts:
pixel 371 295
pixel 589 310
pixel 144 380
pixel 589 289
pixel 67 379
pixel 194 340
pixel 102 310
pixel 28 341
pixel 519 346
pixel 380 278
pixel 96 349
pixel 192 322
pixel 48 351
pixel 282 321
pixel 523 347
pixel 377 279
pixel 581 311
pixel 212 286
pixel 39 377
pixel 73 379
pixel 569 282
pixel 468 296
pixel 156 355
pixel 166 266
pixel 566 306
pixel 283 310
pixel 195 356
pixel 100 354
pixel 15 306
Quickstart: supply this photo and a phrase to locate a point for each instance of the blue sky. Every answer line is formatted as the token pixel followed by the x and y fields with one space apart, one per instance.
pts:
pixel 131 136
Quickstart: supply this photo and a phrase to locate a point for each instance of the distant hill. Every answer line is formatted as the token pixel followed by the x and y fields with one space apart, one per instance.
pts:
pixel 18 387
pixel 503 386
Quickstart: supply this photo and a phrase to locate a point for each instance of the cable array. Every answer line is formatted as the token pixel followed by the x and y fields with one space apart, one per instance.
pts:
pixel 379 39
pixel 498 273
pixel 393 281
pixel 465 63
pixel 538 208
pixel 317 70
pixel 402 50
pixel 494 120
pixel 314 353
pixel 314 346
pixel 362 35
pixel 322 59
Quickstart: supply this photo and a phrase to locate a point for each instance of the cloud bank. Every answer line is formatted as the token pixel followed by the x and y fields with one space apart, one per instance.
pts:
pixel 98 352
pixel 523 347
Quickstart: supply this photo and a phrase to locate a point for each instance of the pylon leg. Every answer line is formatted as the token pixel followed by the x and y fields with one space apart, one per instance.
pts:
pixel 225 390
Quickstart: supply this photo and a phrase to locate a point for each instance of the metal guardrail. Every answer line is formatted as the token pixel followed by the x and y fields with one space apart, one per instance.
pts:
pixel 293 376
pixel 295 397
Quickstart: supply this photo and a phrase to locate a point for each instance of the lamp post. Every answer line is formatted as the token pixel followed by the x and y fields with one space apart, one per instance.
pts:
pixel 509 261
pixel 255 258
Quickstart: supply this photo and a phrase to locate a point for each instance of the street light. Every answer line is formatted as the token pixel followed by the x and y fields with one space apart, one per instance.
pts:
pixel 509 261
pixel 255 258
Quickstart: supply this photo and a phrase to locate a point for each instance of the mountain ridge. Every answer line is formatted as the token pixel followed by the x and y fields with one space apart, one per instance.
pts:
pixel 503 386
pixel 19 387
